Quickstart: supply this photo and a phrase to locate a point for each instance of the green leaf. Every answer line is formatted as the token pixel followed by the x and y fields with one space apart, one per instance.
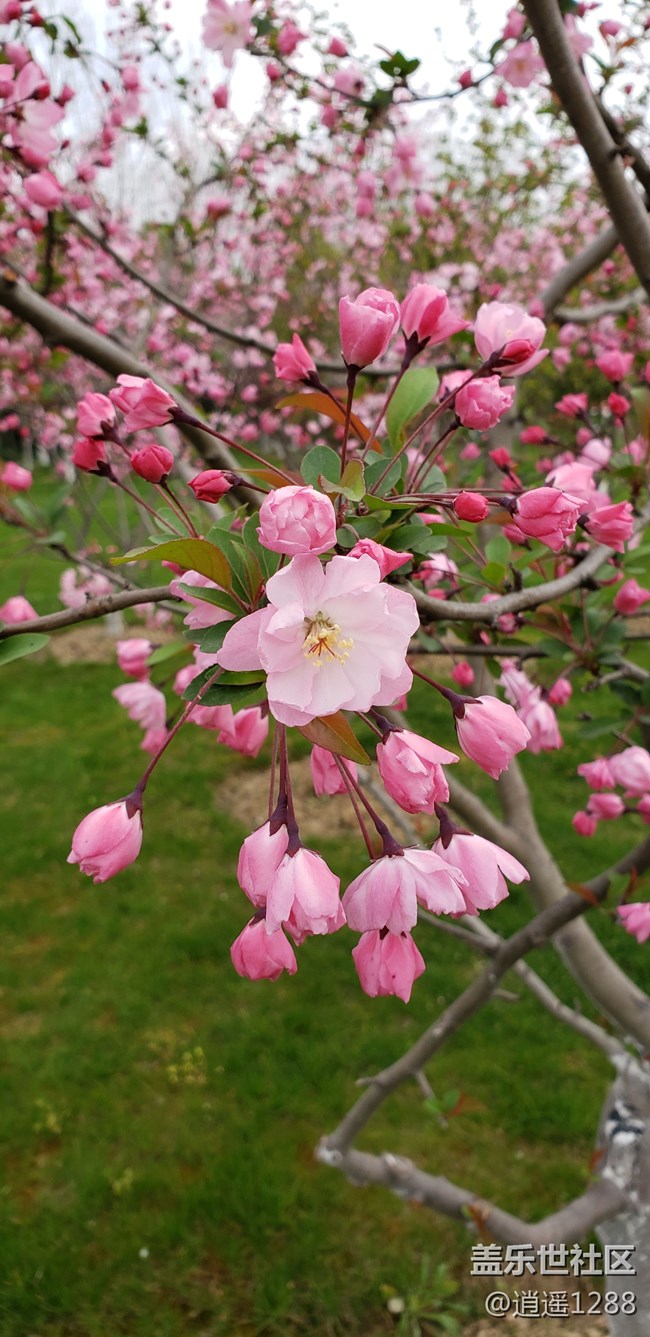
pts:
pixel 216 597
pixel 353 483
pixel 494 573
pixel 14 647
pixel 166 652
pixel 211 639
pixel 334 733
pixel 498 550
pixel 414 392
pixel 321 460
pixel 375 470
pixel 194 554
pixel 231 689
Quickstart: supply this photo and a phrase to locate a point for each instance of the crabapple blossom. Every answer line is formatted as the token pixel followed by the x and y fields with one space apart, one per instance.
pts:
pixel 507 337
pixel 480 404
pixel 573 406
pixel 330 639
pixel 292 362
pixel 584 823
pixel 605 807
pixel 611 524
pixel 13 476
pixel 95 413
pixel 227 28
pixel 367 325
pixel 325 774
pixel 631 770
pixel 386 558
pixel 304 886
pixel 259 859
pixel 462 673
pixel 244 731
pixel 615 365
pixel 521 65
pixel 132 656
pixel 630 597
pixel 297 519
pixel 491 733
pixel 90 455
pixel 258 955
pixel 143 403
pixel 597 773
pixel 636 919
pixel 539 718
pixel 212 484
pixel 153 463
pixel 485 867
pixel 16 609
pixel 387 963
pixel 561 692
pixel 108 839
pixel 146 705
pixel 471 506
pixel 546 514
pixel 386 894
pixel 411 770
pixel 426 315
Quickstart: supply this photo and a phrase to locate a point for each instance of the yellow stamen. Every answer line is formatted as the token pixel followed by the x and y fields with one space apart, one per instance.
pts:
pixel 324 636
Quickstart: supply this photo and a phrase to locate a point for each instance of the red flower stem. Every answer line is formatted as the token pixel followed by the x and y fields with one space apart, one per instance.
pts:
pixel 191 705
pixel 178 506
pixel 432 453
pixel 355 805
pixel 134 496
pixel 274 762
pixel 179 416
pixel 384 408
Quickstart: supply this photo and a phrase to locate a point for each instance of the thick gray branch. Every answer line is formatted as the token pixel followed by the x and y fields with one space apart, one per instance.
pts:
pixel 577 269
pixel 106 603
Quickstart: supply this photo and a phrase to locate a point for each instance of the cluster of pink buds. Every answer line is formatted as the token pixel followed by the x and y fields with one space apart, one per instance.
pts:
pixel 628 770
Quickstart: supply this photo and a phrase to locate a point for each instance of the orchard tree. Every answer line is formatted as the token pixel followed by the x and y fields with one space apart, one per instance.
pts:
pixel 455 471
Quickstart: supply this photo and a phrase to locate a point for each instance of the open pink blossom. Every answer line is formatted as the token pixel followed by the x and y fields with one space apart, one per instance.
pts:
pixel 491 733
pixel 303 887
pixel 615 365
pixel 631 770
pixel 258 955
pixel 227 28
pixel 332 638
pixel 485 866
pixel 521 65
pixel 636 919
pixel 297 519
pixel 411 769
pixel 13 476
pixel 292 362
pixel 16 609
pixel 132 656
pixel 386 894
pixel 143 403
pixel 541 721
pixel 547 514
pixel 367 324
pixel 507 330
pixel 427 316
pixel 325 774
pixel 387 963
pixel 108 839
pixel 480 404
pixel 44 190
pixel 245 731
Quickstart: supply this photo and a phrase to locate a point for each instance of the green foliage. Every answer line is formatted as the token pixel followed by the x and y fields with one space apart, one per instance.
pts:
pixel 15 647
pixel 414 393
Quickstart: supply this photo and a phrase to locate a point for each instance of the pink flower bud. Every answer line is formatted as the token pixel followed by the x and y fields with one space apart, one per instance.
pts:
pixel 44 190
pixel 17 609
pixel 425 315
pixel 325 774
pixel 631 770
pixel 471 506
pixel 597 773
pixel 636 919
pixel 292 361
pixel 605 807
pixel 212 484
pixel 304 889
pixel 584 824
pixel 108 839
pixel 630 597
pixel 572 406
pixel 337 48
pixel 220 96
pixel 95 413
pixel 297 519
pixel 15 477
pixel 144 403
pixel 258 955
pixel 490 732
pixel 561 692
pixel 548 515
pixel 386 894
pixel 411 769
pixel 89 455
pixel 481 404
pixel 615 365
pixel 466 79
pixel 533 436
pixel 462 674
pixel 154 463
pixel 259 859
pixel 612 525
pixel 618 404
pixel 132 656
pixel 367 324
pixel 387 963
pixel 386 558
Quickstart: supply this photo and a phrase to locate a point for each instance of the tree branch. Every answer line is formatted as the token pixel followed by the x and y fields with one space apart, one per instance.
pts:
pixel 577 269
pixel 625 204
pixel 106 603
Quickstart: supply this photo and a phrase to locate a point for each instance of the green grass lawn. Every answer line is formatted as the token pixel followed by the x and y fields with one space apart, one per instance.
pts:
pixel 159 1114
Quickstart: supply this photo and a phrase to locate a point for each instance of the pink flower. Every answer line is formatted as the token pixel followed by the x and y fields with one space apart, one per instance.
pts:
pixel 258 955
pixel 144 403
pixel 325 774
pixel 146 705
pixel 521 65
pixel 462 674
pixel 227 28
pixel 630 597
pixel 490 732
pixel 15 477
pixel 337 47
pixel 597 773
pixel 367 324
pixel 631 770
pixel 539 718
pixel 426 315
pixel 202 613
pixel 259 859
pixel 220 96
pixel 244 731
pixel 636 919
pixel 132 656
pixel 331 639
pixel 153 463
pixel 289 38
pixel 605 807
pixel 387 963
pixel 292 361
pixel 615 365
pixel 584 823
pixel 304 888
pixel 108 839
pixel 618 404
pixel 572 406
pixel 297 519
pixel 471 506
pixel 611 524
pixel 533 436
pixel 89 455
pixel 44 190
pixel 561 691
pixel 16 609
pixel 386 894
pixel 548 515
pixel 481 404
pixel 386 558
pixel 485 867
pixel 507 330
pixel 212 484
pixel 411 769
pixel 515 24
pixel 95 413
